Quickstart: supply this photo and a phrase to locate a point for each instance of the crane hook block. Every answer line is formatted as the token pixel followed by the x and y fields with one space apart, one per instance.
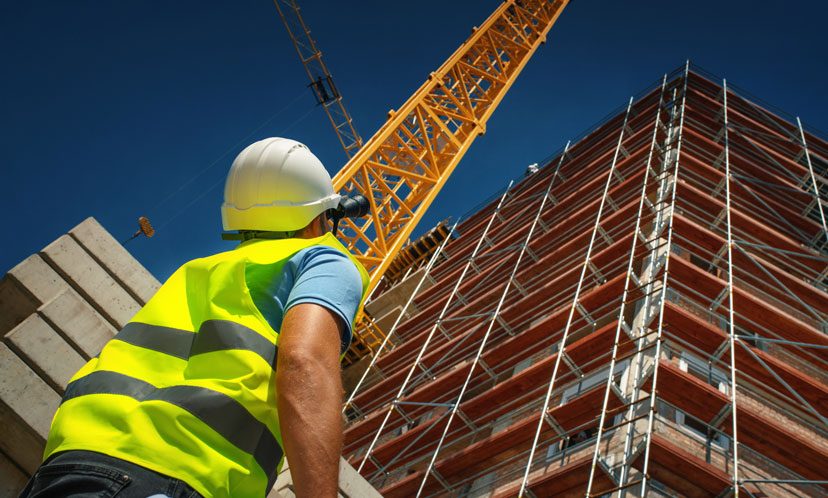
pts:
pixel 145 227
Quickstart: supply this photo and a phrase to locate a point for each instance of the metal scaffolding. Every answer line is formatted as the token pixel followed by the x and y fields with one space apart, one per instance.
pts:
pixel 651 304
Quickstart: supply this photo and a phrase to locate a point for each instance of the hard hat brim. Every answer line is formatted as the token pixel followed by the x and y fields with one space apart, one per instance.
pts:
pixel 275 217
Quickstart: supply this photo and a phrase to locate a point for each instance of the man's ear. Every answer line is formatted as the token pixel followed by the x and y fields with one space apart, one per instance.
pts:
pixel 324 224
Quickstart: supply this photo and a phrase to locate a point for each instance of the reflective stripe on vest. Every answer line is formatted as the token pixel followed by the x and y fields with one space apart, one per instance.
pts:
pixel 187 388
pixel 213 335
pixel 222 413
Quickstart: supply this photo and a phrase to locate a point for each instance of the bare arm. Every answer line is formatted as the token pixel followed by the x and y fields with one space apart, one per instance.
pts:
pixel 309 399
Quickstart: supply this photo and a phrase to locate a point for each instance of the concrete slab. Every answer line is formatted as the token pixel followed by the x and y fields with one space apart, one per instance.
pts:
pixel 15 305
pixel 12 478
pixel 38 278
pixel 85 329
pixel 69 259
pixel 25 393
pixel 116 259
pixel 45 352
pixel 353 373
pixel 26 287
pixel 386 322
pixel 27 405
pixel 393 300
pixel 282 487
pixel 351 483
pixel 19 442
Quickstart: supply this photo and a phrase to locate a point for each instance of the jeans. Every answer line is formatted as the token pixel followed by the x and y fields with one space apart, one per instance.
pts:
pixel 88 474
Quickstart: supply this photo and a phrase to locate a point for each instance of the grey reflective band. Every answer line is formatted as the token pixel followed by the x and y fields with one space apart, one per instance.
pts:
pixel 220 335
pixel 213 335
pixel 166 340
pixel 220 412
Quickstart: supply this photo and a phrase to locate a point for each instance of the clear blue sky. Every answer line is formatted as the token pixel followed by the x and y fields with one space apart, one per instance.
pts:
pixel 108 108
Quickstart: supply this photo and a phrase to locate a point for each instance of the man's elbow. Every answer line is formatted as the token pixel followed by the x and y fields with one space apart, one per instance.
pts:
pixel 309 351
pixel 298 362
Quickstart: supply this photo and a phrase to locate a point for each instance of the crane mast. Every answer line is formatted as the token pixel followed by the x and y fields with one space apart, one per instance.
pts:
pixel 321 81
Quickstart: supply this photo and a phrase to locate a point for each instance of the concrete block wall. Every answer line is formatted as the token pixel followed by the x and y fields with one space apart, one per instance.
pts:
pixel 57 309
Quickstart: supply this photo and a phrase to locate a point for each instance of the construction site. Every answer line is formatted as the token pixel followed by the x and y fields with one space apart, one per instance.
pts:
pixel 656 291
pixel 643 313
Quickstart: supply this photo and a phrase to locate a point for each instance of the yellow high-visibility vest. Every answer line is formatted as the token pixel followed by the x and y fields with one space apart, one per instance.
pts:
pixel 188 388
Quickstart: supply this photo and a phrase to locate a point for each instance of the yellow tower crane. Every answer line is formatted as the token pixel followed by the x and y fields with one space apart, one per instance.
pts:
pixel 402 168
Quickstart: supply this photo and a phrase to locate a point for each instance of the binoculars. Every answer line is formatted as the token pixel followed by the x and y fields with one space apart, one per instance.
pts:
pixel 350 206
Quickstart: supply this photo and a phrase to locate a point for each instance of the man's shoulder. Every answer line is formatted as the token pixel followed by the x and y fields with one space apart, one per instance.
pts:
pixel 320 254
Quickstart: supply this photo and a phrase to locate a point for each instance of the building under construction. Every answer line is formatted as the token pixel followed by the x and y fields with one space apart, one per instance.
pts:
pixel 643 315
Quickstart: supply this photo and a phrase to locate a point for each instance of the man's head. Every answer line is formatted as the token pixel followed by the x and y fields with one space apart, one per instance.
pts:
pixel 278 185
pixel 316 228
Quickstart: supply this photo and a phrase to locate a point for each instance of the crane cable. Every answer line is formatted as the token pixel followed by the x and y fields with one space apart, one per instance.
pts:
pixel 189 181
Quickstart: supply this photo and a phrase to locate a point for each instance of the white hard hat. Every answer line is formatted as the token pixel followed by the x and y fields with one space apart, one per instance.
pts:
pixel 277 185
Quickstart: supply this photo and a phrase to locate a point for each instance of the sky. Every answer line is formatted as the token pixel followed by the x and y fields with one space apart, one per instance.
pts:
pixel 137 108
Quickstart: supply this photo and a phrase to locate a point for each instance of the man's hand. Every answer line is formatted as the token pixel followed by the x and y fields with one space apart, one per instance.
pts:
pixel 309 398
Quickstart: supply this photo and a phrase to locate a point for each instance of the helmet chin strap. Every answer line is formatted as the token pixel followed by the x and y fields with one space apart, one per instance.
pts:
pixel 335 225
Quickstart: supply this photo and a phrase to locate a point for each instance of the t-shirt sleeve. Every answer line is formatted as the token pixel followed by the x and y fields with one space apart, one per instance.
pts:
pixel 328 278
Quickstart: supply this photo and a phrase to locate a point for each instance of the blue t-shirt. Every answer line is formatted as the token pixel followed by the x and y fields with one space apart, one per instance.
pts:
pixel 317 274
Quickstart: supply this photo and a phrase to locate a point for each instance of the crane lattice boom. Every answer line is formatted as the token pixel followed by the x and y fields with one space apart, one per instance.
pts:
pixel 321 81
pixel 405 164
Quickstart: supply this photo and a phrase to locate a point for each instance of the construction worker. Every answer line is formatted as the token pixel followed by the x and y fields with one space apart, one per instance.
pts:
pixel 233 363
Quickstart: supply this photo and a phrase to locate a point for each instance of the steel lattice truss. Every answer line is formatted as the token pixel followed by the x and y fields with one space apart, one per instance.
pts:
pixel 405 164
pixel 321 81
pixel 646 315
